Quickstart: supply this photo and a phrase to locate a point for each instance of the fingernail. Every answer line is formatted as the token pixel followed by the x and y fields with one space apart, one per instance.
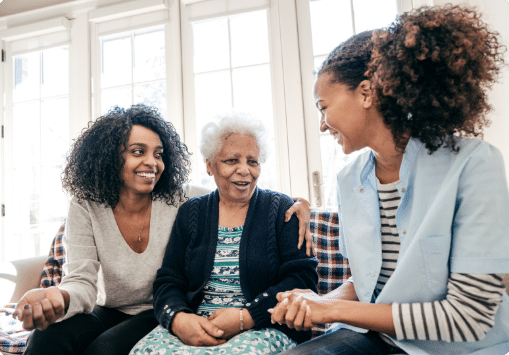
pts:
pixel 220 332
pixel 270 310
pixel 285 300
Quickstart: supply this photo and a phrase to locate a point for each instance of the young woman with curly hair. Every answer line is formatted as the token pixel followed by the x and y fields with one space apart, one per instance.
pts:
pixel 126 174
pixel 423 212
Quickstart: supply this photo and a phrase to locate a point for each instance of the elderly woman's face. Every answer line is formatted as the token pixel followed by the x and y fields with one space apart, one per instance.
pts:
pixel 236 168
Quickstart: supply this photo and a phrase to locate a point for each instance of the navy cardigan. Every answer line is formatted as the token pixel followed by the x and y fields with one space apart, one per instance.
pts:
pixel 269 261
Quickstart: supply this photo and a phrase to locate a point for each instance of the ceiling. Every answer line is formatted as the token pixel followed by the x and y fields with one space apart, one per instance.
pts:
pixel 10 7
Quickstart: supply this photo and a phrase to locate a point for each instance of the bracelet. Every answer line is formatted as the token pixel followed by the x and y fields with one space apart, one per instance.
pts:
pixel 241 321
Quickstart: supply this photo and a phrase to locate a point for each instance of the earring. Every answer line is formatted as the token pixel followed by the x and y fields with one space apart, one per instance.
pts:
pixel 210 173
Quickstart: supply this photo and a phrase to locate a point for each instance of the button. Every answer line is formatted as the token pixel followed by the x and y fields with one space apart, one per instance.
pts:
pixel 166 306
pixel 403 231
pixel 361 190
pixel 172 313
pixel 372 274
pixel 256 300
pixel 265 294
pixel 403 190
pixel 168 311
pixel 248 304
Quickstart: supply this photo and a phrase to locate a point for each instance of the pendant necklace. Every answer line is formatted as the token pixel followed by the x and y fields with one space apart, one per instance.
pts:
pixel 143 225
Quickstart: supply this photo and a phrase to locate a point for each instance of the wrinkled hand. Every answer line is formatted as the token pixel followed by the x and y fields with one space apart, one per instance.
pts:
pixel 228 320
pixel 195 330
pixel 299 309
pixel 39 308
pixel 301 208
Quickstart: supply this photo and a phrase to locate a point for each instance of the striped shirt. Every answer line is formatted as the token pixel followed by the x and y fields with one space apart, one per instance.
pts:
pixel 467 312
pixel 223 287
pixel 389 198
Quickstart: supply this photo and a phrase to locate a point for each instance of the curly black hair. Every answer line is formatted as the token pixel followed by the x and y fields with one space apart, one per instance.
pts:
pixel 95 161
pixel 430 71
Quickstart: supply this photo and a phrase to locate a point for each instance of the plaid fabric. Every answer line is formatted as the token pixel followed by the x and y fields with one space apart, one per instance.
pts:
pixel 333 269
pixel 13 338
pixel 52 271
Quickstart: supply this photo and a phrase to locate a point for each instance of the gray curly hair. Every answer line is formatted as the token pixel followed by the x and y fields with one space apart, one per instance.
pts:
pixel 213 133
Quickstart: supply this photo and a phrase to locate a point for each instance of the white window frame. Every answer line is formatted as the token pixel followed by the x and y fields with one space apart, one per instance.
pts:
pixel 26 39
pixel 136 15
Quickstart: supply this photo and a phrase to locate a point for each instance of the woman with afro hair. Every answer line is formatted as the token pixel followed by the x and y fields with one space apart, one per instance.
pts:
pixel 126 174
pixel 424 211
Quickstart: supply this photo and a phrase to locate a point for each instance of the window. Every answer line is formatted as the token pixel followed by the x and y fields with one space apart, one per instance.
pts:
pixel 37 133
pixel 133 69
pixel 232 70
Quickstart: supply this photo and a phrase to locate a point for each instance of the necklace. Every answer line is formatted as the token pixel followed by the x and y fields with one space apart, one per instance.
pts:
pixel 142 226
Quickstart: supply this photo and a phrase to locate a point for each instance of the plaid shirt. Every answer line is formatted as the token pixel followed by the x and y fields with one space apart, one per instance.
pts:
pixel 333 269
pixel 13 338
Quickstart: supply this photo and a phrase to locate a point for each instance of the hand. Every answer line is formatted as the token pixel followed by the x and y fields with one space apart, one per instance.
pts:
pixel 41 307
pixel 302 210
pixel 195 330
pixel 299 310
pixel 228 320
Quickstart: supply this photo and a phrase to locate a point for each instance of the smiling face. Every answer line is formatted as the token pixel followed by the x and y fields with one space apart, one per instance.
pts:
pixel 343 111
pixel 236 168
pixel 143 161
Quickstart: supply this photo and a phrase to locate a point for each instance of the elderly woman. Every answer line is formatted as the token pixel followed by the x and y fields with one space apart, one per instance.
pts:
pixel 229 254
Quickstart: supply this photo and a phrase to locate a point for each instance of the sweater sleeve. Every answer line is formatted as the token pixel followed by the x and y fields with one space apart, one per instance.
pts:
pixel 294 268
pixel 171 284
pixel 466 314
pixel 82 263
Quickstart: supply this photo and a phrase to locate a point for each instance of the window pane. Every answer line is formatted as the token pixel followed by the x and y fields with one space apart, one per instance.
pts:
pixel 116 60
pixel 211 45
pixel 152 95
pixel 252 93
pixel 249 38
pixel 212 96
pixel 149 58
pixel 27 74
pixel 54 131
pixel 55 72
pixel 331 24
pixel 371 14
pixel 121 97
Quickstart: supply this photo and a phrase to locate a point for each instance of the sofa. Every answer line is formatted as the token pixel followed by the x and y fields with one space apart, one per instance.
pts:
pixel 17 277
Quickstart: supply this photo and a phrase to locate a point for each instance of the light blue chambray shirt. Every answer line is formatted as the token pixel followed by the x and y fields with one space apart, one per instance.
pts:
pixel 453 217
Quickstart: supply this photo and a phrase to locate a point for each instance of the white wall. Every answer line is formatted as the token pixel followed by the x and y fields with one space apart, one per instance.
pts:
pixel 496 14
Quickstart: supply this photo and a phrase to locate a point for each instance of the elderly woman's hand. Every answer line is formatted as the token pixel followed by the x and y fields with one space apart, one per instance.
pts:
pixel 301 208
pixel 41 307
pixel 194 330
pixel 228 319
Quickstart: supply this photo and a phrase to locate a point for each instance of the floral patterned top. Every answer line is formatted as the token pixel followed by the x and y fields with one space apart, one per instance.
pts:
pixel 223 288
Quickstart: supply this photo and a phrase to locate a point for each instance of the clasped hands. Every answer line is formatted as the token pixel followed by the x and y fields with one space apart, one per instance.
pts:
pixel 300 309
pixel 222 325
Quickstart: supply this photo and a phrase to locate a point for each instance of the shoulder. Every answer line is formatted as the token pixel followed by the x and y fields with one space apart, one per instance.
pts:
pixel 196 202
pixel 276 199
pixel 354 169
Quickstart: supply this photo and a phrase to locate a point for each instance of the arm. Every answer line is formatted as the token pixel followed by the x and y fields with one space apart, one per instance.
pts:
pixel 295 269
pixel 171 286
pixel 302 210
pixel 78 291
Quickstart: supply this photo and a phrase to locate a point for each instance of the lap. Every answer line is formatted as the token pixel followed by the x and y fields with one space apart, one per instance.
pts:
pixel 344 342
pixel 263 341
pixel 83 331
